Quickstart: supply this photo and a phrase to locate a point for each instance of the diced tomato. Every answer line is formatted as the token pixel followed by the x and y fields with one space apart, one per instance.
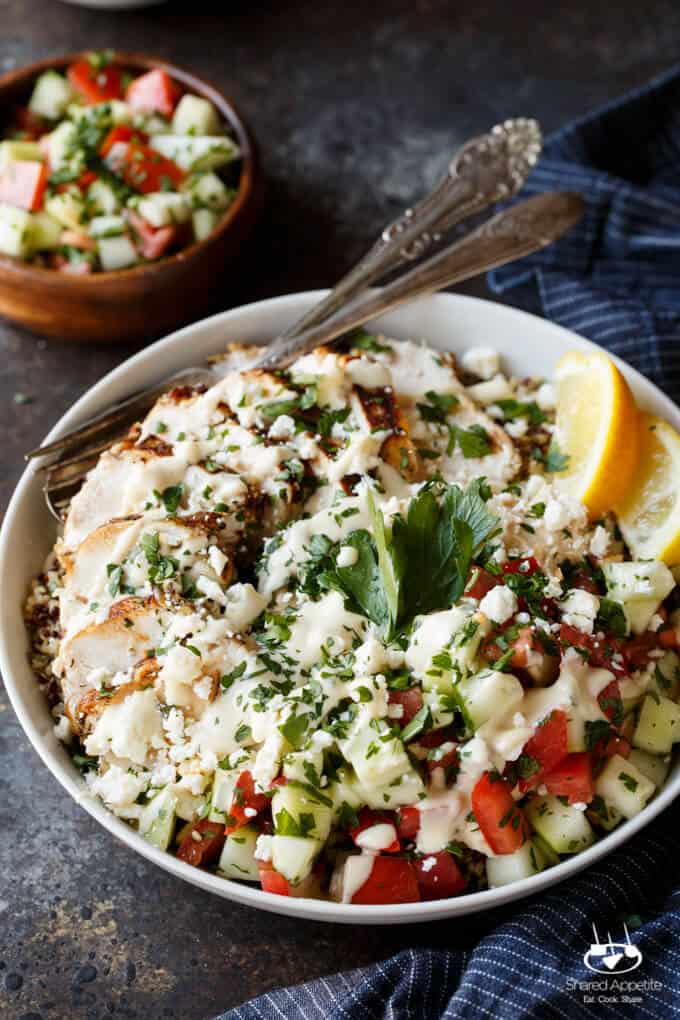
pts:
pixel 547 746
pixel 481 581
pixel 144 169
pixel 121 133
pixel 408 822
pixel 572 778
pixel 155 241
pixel 446 760
pixel 527 565
pixel 23 183
pixel 29 124
pixel 245 799
pixel 392 880
pixel 583 580
pixel 501 821
pixel 203 843
pixel 153 92
pixel 522 645
pixel 411 701
pixel 636 650
pixel 271 881
pixel 668 637
pixel 95 84
pixel 435 738
pixel 369 818
pixel 609 700
pixel 616 744
pixel 606 654
pixel 439 876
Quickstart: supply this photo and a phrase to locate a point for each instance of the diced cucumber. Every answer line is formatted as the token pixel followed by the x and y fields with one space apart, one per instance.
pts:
pixel 193 153
pixel 565 829
pixel 157 821
pixel 237 859
pixel 440 706
pixel 222 793
pixel 638 580
pixel 51 95
pixel 309 815
pixel 106 226
pixel 68 208
pixel 62 148
pixel 208 191
pixel 397 793
pixel 303 765
pixel 102 199
pixel 605 815
pixel 195 116
pixel 294 856
pixel 16 232
pixel 623 787
pixel 203 222
pixel 658 726
pixel 376 761
pixel 45 232
pixel 666 678
pixel 163 208
pixel 344 790
pixel 509 868
pixel 152 124
pixel 639 613
pixel 20 151
pixel 653 766
pixel 547 854
pixel 116 253
pixel 488 695
pixel 111 112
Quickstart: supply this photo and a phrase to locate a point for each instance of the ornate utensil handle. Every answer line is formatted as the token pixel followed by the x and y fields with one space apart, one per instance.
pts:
pixel 487 169
pixel 517 231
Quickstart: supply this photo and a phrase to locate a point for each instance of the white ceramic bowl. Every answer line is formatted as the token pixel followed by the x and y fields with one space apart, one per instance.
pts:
pixel 528 345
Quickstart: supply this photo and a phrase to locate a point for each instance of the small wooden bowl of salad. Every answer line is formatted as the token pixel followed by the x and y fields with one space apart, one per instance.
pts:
pixel 126 186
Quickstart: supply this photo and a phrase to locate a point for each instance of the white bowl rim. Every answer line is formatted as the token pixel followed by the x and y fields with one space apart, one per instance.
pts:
pixel 309 909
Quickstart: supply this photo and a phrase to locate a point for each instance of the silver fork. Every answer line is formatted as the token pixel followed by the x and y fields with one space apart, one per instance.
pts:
pixel 488 168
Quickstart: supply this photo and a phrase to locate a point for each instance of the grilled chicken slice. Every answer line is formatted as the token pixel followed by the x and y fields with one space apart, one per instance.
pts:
pixel 180 557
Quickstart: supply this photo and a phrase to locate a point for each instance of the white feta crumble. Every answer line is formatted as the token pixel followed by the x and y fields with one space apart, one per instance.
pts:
pixel 63 730
pixel 599 543
pixel 347 556
pixel 217 559
pixel 579 609
pixel 119 787
pixel 428 863
pixel 282 427
pixel 655 623
pixel 546 396
pixel 499 604
pixel 481 361
pixel 491 391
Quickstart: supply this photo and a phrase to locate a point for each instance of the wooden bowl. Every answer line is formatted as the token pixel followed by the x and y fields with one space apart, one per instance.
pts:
pixel 146 300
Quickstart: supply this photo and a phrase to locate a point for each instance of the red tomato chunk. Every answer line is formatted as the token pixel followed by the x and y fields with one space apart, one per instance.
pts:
pixel 153 92
pixel 246 803
pixel 95 84
pixel 203 844
pixel 392 880
pixel 439 876
pixel 411 702
pixel 501 821
pixel 23 184
pixel 547 747
pixel 573 778
pixel 369 818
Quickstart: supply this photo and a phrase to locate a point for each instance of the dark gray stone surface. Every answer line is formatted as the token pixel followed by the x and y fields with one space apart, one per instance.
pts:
pixel 357 107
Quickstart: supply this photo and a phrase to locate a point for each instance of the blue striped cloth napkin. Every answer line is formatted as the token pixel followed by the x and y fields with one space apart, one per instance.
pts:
pixel 615 279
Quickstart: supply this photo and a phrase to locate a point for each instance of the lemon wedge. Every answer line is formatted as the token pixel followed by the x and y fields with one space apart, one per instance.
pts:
pixel 649 515
pixel 597 428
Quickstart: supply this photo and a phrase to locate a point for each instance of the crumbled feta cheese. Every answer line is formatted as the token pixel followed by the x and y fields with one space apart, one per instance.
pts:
pixel 517 428
pixel 599 543
pixel 217 559
pixel 491 391
pixel 655 623
pixel 282 427
pixel 428 863
pixel 546 396
pixel 119 787
pixel 579 609
pixel 499 604
pixel 128 729
pixel 250 812
pixel 347 556
pixel 481 361
pixel 395 711
pixel 63 730
pixel 556 515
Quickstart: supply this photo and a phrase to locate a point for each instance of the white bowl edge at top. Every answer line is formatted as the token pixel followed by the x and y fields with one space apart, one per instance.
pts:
pixel 528 345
